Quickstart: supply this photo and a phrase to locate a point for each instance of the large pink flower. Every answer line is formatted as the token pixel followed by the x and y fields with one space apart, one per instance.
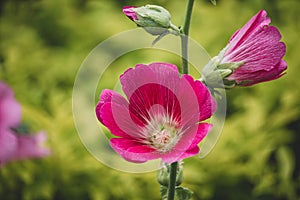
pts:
pixel 257 47
pixel 161 117
pixel 14 146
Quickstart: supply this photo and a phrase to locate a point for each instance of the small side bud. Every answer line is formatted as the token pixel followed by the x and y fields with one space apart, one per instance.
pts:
pixel 156 20
pixel 152 16
pixel 163 175
pixel 179 177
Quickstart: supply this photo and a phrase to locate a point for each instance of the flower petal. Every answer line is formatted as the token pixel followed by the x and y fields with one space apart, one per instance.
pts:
pixel 152 100
pixel 207 104
pixel 190 152
pixel 133 151
pixel 115 115
pixel 8 146
pixel 105 97
pixel 157 73
pixel 10 109
pixel 203 130
pixel 146 86
pixel 260 52
pixel 262 76
pixel 18 147
pixel 31 146
pixel 256 22
pixel 188 144
pixel 129 13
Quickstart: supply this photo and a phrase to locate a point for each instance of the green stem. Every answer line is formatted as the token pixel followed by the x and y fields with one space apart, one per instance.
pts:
pixel 184 37
pixel 185 70
pixel 172 182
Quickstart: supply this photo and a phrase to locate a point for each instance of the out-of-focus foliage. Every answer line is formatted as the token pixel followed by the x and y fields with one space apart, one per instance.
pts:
pixel 42 44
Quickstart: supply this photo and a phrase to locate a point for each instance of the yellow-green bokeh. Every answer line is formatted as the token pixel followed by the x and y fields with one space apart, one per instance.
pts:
pixel 44 42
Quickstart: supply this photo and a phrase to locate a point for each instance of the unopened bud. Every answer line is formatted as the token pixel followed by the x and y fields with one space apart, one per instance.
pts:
pixel 163 175
pixel 156 20
pixel 179 177
pixel 152 16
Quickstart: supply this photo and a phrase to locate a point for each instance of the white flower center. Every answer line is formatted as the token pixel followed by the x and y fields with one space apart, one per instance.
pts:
pixel 162 133
pixel 161 138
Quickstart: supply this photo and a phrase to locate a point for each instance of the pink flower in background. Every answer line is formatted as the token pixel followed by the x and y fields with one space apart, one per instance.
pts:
pixel 161 117
pixel 258 46
pixel 253 55
pixel 14 146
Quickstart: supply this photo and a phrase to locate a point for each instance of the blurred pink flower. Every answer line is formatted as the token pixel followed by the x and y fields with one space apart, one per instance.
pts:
pixel 14 146
pixel 258 46
pixel 161 117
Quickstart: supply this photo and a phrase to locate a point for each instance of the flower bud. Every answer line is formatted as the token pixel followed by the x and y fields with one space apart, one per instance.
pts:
pixel 179 177
pixel 254 54
pixel 153 16
pixel 163 174
pixel 156 20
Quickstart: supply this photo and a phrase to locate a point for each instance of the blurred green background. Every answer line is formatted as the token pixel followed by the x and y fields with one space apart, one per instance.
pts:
pixel 42 45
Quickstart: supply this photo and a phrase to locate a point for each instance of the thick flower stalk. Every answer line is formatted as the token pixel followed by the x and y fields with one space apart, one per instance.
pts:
pixel 253 55
pixel 161 117
pixel 15 145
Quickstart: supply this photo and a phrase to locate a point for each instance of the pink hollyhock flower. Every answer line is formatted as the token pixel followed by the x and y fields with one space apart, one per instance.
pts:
pixel 14 146
pixel 253 55
pixel 161 117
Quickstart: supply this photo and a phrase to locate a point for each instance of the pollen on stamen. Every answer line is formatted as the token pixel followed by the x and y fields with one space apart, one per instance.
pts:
pixel 161 138
pixel 162 133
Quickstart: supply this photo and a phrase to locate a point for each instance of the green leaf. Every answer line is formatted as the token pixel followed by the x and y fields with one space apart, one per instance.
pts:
pixel 183 193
